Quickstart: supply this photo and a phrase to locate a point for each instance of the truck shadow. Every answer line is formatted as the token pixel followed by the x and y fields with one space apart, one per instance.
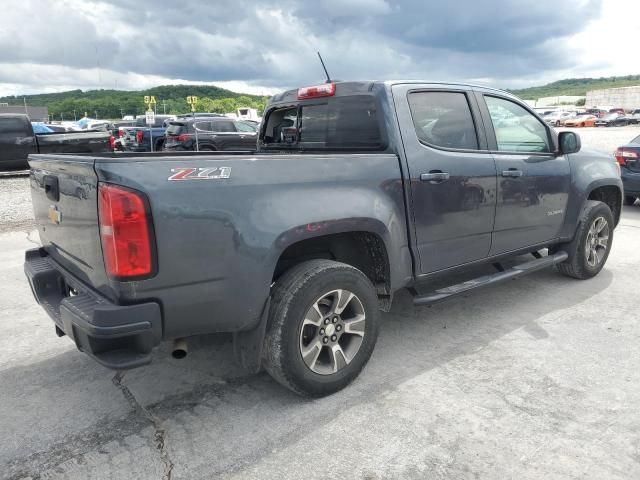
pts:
pixel 211 408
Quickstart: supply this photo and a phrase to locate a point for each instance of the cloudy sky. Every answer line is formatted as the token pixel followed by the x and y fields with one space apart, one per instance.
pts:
pixel 265 46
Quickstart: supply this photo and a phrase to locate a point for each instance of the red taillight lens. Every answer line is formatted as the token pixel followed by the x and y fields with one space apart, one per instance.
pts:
pixel 184 137
pixel 124 230
pixel 139 136
pixel 120 132
pixel 324 90
pixel 623 155
pixel 112 142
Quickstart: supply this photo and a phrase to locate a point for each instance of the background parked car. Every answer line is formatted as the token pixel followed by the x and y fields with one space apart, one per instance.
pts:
pixel 612 120
pixel 634 116
pixel 628 157
pixel 585 120
pixel 598 112
pixel 138 138
pixel 557 118
pixel 214 133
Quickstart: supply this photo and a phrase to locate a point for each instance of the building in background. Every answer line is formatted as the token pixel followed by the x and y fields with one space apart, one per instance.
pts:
pixel 36 114
pixel 558 100
pixel 623 97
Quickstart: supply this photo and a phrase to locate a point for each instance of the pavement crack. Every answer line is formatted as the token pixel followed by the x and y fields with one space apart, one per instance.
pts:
pixel 160 434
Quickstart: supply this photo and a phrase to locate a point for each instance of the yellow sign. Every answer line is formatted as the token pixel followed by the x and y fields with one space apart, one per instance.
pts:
pixel 149 100
pixel 192 101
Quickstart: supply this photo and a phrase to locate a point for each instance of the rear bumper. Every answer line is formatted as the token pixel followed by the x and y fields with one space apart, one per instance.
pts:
pixel 630 181
pixel 116 336
pixel 140 148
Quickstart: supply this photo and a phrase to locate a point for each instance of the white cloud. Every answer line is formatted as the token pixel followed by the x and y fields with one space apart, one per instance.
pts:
pixel 265 46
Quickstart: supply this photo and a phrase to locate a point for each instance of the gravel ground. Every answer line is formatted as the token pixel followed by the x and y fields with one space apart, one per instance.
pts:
pixel 15 204
pixel 605 139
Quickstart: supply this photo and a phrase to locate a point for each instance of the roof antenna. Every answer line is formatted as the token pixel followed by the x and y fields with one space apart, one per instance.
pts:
pixel 325 68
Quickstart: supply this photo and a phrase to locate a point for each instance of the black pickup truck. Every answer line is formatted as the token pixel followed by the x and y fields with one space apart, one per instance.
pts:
pixel 358 189
pixel 17 142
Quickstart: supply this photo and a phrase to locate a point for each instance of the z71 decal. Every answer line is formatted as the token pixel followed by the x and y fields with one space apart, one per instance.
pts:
pixel 190 173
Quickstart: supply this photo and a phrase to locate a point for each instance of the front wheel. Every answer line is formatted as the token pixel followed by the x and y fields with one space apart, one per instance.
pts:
pixel 323 326
pixel 589 250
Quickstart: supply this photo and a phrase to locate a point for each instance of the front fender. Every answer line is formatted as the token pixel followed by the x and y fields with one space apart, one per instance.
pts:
pixel 590 170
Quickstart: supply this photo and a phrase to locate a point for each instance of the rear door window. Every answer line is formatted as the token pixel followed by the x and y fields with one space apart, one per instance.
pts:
pixel 443 119
pixel 204 126
pixel 222 126
pixel 245 127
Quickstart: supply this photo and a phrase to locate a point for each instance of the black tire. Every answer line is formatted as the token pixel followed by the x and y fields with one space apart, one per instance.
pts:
pixel 576 265
pixel 629 200
pixel 293 295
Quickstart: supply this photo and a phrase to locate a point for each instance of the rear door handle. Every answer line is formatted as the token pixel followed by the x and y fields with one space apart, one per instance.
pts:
pixel 512 172
pixel 434 176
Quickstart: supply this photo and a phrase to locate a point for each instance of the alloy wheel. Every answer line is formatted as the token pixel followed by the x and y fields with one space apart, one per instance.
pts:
pixel 332 332
pixel 597 242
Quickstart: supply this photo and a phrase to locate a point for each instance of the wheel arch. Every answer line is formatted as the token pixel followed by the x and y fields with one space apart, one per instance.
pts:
pixel 363 247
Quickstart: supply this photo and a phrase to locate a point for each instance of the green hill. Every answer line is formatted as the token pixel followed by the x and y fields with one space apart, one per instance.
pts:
pixel 116 103
pixel 576 86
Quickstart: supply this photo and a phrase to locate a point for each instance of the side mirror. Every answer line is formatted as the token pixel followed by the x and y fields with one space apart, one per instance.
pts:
pixel 569 142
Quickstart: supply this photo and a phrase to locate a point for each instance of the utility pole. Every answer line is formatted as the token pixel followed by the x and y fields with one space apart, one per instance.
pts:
pixel 61 116
pixel 121 112
pixel 26 112
pixel 96 112
pixel 75 119
pixel 164 107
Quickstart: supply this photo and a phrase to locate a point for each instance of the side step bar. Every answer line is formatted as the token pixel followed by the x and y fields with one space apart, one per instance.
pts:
pixel 514 272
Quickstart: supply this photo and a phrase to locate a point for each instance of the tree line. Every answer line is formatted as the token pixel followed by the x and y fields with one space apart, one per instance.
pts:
pixel 113 104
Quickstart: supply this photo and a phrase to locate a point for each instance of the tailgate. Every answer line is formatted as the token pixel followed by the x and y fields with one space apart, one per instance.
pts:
pixel 65 204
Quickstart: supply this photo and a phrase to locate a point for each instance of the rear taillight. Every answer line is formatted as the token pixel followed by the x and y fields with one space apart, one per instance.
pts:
pixel 125 232
pixel 120 132
pixel 623 155
pixel 112 143
pixel 184 137
pixel 324 90
pixel 139 136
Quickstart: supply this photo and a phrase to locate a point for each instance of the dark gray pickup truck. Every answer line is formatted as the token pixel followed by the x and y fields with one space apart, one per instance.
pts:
pixel 357 190
pixel 17 142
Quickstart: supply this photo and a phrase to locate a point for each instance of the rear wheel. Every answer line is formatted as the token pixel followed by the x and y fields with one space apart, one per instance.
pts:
pixel 589 250
pixel 323 325
pixel 629 199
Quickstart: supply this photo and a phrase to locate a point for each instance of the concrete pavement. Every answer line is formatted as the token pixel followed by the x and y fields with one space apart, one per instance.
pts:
pixel 535 378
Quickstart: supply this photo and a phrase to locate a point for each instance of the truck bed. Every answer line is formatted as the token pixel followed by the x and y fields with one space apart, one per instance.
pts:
pixel 219 232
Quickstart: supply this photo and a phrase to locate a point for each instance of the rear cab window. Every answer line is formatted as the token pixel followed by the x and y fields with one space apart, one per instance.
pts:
pixel 13 126
pixel 176 128
pixel 349 122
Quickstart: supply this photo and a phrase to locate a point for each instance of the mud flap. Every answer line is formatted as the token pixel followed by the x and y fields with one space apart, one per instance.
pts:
pixel 247 345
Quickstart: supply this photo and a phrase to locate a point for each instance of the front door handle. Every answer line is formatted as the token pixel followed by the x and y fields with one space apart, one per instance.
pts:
pixel 434 176
pixel 512 172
